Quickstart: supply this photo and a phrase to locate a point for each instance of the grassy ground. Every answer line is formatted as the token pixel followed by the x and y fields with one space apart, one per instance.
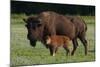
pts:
pixel 23 54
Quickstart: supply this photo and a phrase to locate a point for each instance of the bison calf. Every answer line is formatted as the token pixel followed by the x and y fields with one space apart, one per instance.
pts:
pixel 55 41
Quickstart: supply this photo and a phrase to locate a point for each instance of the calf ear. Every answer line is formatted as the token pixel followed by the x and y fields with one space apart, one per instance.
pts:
pixel 48 41
pixel 24 20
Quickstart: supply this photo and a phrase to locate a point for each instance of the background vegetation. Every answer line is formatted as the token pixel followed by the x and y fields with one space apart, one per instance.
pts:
pixel 37 7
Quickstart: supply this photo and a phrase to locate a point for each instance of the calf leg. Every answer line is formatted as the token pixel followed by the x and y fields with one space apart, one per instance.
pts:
pixel 75 44
pixel 52 50
pixel 67 49
pixel 56 49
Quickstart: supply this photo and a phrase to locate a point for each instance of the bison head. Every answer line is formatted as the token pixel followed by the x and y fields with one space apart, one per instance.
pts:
pixel 35 28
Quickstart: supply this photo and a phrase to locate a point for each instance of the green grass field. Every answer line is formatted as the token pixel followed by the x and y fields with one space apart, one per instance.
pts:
pixel 23 54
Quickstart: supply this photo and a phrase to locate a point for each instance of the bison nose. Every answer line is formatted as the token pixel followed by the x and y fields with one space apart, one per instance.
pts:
pixel 33 43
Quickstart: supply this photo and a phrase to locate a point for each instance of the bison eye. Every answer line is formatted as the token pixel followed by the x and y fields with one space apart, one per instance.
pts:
pixel 39 25
pixel 33 27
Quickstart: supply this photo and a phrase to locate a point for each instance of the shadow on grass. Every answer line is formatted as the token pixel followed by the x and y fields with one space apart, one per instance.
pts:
pixel 92 51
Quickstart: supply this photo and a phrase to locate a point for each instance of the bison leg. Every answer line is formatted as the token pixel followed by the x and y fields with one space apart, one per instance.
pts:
pixel 84 41
pixel 52 50
pixel 75 44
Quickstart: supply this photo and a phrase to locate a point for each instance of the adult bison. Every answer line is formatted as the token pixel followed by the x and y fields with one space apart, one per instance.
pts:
pixel 52 23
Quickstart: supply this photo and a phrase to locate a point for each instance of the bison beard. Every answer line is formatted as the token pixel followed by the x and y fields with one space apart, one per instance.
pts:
pixel 33 43
pixel 57 24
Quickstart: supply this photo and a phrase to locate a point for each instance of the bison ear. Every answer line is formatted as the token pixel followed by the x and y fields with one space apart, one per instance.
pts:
pixel 24 20
pixel 39 19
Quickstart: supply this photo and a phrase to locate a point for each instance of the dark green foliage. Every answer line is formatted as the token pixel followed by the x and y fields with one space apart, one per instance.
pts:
pixel 37 7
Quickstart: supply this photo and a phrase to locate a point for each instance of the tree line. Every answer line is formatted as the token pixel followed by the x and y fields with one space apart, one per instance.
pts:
pixel 37 7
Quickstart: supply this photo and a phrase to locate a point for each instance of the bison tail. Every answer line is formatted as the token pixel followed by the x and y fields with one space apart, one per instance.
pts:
pixel 85 25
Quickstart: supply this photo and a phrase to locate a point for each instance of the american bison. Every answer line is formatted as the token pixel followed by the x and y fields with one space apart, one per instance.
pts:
pixel 56 41
pixel 52 23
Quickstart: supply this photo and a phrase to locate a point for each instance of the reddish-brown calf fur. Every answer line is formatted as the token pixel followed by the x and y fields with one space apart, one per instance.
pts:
pixel 56 41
